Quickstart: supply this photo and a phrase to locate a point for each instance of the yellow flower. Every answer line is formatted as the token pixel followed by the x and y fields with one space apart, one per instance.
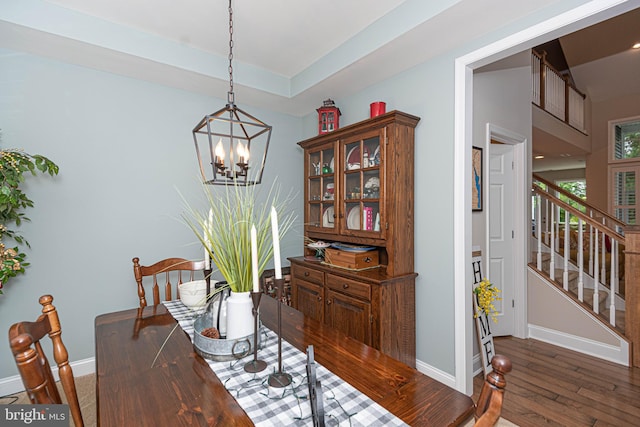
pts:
pixel 486 294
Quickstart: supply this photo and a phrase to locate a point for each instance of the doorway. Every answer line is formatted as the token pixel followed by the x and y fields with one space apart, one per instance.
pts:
pixel 572 20
pixel 506 233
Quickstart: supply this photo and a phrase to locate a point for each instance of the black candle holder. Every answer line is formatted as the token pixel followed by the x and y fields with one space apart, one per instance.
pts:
pixel 255 365
pixel 280 378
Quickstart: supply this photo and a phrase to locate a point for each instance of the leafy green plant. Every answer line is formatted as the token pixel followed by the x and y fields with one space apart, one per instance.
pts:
pixel 234 209
pixel 14 163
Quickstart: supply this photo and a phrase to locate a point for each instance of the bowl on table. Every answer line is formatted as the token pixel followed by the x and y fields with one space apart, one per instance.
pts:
pixel 193 294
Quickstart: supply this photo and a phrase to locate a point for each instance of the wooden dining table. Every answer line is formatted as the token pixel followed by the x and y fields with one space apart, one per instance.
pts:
pixel 148 374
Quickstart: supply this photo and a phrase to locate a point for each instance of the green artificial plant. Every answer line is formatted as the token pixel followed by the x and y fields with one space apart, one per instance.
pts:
pixel 14 163
pixel 233 209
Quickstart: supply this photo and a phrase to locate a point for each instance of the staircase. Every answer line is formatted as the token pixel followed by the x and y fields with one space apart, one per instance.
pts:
pixel 592 273
pixel 587 298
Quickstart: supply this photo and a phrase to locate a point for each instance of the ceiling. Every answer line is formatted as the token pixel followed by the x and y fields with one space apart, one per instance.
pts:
pixel 604 66
pixel 290 55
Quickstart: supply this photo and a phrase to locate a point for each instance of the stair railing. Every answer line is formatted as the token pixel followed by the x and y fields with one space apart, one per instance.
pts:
pixel 589 219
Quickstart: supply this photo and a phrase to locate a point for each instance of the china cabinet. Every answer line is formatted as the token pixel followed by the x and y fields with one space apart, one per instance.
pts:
pixel 359 192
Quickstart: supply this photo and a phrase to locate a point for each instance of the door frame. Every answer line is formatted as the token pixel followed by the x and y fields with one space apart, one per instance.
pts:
pixel 521 218
pixel 574 19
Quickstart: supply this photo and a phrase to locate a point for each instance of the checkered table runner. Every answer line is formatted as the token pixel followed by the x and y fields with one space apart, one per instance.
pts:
pixel 288 406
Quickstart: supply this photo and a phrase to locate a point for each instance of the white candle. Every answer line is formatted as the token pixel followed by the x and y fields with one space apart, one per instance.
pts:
pixel 254 259
pixel 276 243
pixel 205 239
pixel 207 231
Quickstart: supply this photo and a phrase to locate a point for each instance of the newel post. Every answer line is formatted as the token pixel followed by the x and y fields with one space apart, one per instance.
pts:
pixel 632 290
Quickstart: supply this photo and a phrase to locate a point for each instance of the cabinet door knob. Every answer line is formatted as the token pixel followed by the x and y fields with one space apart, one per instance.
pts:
pixel 328 302
pixel 319 298
pixel 306 274
pixel 345 285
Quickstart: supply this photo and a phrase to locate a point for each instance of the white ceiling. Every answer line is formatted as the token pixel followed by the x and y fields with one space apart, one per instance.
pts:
pixel 289 55
pixel 284 37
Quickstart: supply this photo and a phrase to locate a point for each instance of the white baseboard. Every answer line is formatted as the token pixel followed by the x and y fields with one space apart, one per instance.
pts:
pixel 436 374
pixel 616 354
pixel 12 385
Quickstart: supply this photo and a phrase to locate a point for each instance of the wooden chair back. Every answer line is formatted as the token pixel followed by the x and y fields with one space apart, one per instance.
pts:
pixel 489 404
pixel 33 365
pixel 172 272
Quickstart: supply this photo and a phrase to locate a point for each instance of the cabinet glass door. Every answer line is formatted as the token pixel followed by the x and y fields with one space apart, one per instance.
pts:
pixel 321 189
pixel 361 194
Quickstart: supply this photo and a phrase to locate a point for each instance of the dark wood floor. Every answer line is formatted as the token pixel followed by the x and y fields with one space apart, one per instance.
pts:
pixel 551 386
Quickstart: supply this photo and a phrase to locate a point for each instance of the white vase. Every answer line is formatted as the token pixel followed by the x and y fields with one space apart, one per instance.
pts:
pixel 239 315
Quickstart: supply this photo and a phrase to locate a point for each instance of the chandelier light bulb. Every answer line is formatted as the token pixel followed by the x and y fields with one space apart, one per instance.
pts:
pixel 243 153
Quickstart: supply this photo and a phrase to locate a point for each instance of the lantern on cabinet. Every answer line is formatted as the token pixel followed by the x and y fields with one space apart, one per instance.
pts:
pixel 328 117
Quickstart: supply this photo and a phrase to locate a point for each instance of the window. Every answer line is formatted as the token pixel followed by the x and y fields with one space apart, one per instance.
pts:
pixel 624 168
pixel 579 189
pixel 624 192
pixel 626 140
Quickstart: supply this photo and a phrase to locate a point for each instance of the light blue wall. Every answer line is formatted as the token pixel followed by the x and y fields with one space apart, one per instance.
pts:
pixel 123 146
pixel 125 151
pixel 427 91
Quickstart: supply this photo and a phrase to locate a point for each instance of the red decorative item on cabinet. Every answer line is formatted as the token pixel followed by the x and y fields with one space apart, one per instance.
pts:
pixel 328 117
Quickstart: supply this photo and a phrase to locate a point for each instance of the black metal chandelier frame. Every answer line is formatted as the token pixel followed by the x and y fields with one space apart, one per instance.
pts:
pixel 244 135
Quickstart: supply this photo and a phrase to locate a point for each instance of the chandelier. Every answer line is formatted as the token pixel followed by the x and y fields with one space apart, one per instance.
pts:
pixel 233 142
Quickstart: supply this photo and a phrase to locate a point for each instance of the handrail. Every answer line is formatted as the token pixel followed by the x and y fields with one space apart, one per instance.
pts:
pixel 582 202
pixel 603 228
pixel 600 265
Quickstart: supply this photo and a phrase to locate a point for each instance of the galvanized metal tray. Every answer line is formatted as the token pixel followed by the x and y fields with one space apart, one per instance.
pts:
pixel 219 349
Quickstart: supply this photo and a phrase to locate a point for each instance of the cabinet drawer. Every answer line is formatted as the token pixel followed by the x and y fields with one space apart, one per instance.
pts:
pixel 308 274
pixel 349 287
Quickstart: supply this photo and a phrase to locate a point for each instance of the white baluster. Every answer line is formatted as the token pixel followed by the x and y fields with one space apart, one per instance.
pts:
pixel 538 227
pixel 580 261
pixel 567 254
pixel 603 254
pixel 613 287
pixel 547 224
pixel 552 262
pixel 591 250
pixel 556 208
pixel 596 279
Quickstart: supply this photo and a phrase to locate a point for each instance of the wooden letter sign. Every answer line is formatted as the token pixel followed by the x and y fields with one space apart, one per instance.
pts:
pixel 483 322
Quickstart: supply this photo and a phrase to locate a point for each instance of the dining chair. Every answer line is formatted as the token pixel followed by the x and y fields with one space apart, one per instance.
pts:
pixel 173 269
pixel 489 404
pixel 34 368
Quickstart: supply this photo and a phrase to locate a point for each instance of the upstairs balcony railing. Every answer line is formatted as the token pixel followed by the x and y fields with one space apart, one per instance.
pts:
pixel 553 92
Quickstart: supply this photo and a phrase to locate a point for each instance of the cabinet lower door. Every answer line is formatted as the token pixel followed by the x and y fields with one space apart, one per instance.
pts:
pixel 308 298
pixel 349 315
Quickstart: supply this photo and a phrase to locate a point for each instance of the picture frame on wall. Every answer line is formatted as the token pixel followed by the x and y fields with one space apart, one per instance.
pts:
pixel 476 178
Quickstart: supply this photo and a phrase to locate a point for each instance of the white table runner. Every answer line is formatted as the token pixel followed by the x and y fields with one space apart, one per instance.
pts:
pixel 289 406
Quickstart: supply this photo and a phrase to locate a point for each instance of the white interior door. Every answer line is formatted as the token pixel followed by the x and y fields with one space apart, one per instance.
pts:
pixel 501 234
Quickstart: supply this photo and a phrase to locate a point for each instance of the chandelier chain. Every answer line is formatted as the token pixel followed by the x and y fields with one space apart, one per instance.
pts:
pixel 230 95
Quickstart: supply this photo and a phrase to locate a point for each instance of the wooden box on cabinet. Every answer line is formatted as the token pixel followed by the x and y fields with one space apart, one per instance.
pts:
pixel 352 260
